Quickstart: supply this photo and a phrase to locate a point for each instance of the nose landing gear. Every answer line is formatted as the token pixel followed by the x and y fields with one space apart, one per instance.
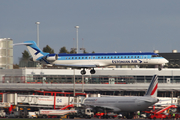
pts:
pixel 160 67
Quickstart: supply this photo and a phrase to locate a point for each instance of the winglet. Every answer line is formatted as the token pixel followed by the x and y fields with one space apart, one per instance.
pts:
pixel 152 90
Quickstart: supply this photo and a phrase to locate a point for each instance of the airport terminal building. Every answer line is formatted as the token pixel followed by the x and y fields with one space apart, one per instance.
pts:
pixel 106 81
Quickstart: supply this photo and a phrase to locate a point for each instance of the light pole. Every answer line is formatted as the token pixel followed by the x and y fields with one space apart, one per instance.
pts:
pixel 37 23
pixel 77 36
pixel 74 93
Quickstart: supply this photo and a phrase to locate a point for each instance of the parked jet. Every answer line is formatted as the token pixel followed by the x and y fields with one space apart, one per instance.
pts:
pixel 93 60
pixel 125 104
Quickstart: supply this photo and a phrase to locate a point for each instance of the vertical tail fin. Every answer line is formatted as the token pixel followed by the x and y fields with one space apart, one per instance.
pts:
pixel 35 52
pixel 152 90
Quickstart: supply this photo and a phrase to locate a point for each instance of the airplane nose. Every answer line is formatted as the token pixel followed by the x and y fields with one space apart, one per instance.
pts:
pixel 166 61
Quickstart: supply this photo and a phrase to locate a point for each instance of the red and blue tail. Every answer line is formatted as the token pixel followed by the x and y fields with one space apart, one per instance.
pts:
pixel 152 90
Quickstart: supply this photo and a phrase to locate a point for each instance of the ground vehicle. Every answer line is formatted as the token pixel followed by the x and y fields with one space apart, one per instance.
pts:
pixel 10 115
pixel 32 115
pixel 101 115
pixel 17 114
pixel 2 113
pixel 58 113
pixel 83 113
pixel 159 114
pixel 119 116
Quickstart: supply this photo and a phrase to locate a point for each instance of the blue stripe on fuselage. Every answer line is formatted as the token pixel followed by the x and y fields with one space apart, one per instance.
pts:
pixel 106 56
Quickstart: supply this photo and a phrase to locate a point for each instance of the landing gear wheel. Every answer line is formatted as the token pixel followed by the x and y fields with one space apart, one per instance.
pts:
pixel 160 67
pixel 83 72
pixel 92 71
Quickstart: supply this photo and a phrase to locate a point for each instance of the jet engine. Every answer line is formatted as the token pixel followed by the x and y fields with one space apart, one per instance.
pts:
pixel 51 57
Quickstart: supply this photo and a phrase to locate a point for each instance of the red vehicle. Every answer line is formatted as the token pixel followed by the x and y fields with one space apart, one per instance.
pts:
pixel 156 116
pixel 102 115
pixel 159 114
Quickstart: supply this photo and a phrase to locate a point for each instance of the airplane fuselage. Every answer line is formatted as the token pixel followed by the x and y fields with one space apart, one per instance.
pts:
pixel 121 103
pixel 106 59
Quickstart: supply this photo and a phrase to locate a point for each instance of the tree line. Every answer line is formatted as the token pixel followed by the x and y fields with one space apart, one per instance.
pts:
pixel 48 49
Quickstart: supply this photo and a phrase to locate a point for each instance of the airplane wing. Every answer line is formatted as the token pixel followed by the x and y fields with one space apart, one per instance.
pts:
pixel 107 107
pixel 76 66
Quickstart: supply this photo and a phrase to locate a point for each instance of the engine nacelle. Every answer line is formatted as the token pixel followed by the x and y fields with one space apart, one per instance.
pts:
pixel 51 57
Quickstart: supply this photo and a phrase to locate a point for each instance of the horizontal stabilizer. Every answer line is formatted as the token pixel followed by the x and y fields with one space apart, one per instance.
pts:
pixel 22 44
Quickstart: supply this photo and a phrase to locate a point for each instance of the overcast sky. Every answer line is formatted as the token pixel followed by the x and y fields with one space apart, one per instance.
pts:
pixel 104 25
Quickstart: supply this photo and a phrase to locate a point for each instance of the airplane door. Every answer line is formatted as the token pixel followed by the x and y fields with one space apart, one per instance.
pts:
pixel 145 59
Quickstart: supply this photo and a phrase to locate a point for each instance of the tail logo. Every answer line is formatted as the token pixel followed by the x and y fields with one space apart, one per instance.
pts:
pixel 37 51
pixel 152 90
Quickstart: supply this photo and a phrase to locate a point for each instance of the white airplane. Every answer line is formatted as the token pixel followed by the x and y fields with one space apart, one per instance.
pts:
pixel 93 60
pixel 125 104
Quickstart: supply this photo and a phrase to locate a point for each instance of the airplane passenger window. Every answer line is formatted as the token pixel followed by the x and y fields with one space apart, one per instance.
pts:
pixel 102 57
pixel 93 57
pixel 125 57
pixel 72 58
pixel 121 56
pixel 69 58
pixel 111 57
pixel 85 57
pixel 98 57
pixel 118 56
pixel 114 56
pixel 75 57
pixel 131 56
pixel 89 57
pixel 82 57
pixel 108 57
pixel 79 58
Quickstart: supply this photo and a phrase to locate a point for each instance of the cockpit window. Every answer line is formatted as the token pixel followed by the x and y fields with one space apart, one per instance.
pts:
pixel 156 55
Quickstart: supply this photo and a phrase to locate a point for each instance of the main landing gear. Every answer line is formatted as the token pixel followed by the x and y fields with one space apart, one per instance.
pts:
pixel 92 71
pixel 83 72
